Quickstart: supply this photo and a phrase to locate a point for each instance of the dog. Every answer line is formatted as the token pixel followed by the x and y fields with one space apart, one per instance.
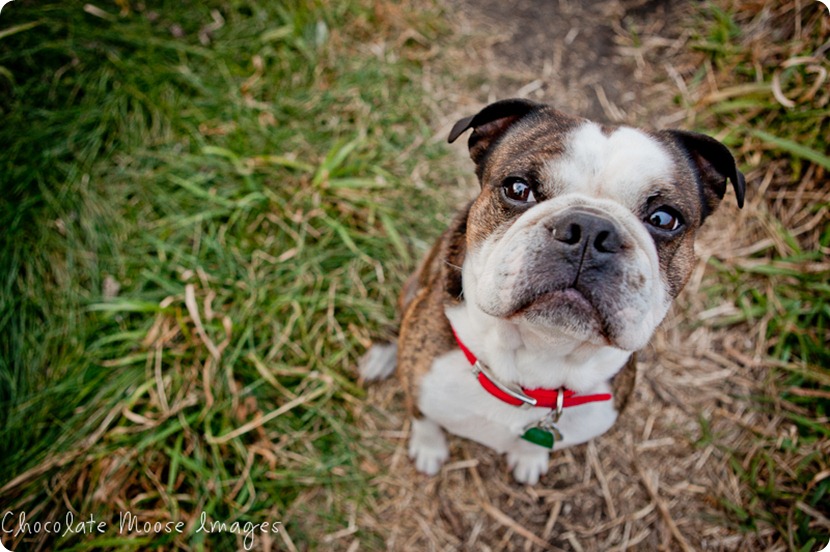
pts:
pixel 520 326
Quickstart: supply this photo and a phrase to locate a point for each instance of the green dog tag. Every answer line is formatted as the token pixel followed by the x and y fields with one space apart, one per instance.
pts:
pixel 539 436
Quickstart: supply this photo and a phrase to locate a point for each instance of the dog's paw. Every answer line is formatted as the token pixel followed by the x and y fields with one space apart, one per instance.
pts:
pixel 529 464
pixel 379 361
pixel 428 446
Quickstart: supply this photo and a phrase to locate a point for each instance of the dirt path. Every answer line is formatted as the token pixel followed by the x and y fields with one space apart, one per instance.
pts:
pixel 652 482
pixel 566 52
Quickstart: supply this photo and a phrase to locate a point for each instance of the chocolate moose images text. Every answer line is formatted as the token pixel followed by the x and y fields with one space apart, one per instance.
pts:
pixel 17 524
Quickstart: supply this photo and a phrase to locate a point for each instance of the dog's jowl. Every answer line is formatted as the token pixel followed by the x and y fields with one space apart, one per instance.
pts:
pixel 519 326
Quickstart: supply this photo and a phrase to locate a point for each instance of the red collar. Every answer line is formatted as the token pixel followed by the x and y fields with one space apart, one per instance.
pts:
pixel 545 398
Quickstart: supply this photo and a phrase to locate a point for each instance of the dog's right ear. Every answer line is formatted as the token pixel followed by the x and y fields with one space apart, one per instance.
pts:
pixel 490 123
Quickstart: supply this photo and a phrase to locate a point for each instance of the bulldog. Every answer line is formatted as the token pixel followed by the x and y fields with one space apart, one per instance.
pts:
pixel 520 326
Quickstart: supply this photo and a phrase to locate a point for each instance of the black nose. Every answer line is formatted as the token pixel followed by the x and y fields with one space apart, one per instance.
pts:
pixel 587 232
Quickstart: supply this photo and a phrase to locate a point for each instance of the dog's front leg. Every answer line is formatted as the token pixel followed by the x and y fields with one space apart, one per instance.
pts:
pixel 427 446
pixel 528 461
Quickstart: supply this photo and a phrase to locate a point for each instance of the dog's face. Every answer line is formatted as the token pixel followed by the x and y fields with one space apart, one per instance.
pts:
pixel 582 231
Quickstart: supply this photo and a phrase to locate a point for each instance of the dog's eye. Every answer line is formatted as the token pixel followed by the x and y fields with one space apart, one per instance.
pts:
pixel 518 190
pixel 665 218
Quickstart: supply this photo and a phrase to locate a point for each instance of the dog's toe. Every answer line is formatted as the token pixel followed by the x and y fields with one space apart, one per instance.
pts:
pixel 429 462
pixel 528 464
pixel 428 446
pixel 379 361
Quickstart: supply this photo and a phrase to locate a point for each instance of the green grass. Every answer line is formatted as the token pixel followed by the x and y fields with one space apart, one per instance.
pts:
pixel 239 173
pixel 781 290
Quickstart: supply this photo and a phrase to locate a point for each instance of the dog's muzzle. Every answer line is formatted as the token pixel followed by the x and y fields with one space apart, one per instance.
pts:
pixel 578 272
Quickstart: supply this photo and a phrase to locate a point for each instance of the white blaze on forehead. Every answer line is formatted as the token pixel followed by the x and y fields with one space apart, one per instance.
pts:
pixel 620 166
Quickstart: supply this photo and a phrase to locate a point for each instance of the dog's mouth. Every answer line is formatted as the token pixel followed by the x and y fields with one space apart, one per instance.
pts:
pixel 569 296
pixel 567 308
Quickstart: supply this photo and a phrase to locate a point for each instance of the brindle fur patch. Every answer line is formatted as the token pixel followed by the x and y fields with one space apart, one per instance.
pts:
pixel 425 332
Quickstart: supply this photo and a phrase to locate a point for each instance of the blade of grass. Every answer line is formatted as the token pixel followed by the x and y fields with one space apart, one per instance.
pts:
pixel 794 148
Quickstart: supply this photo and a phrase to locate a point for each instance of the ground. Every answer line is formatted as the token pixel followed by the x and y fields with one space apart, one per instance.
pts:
pixel 203 233
pixel 651 482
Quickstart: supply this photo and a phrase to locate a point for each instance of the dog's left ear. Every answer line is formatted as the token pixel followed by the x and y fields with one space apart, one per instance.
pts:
pixel 490 123
pixel 714 165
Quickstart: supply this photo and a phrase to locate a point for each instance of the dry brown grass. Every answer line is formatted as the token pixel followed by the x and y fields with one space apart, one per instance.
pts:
pixel 664 478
